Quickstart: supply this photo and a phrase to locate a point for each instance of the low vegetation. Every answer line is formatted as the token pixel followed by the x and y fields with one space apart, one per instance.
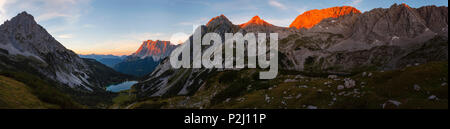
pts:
pixel 36 90
pixel 416 87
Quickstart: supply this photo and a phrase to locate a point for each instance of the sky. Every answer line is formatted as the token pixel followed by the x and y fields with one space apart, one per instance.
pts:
pixel 118 27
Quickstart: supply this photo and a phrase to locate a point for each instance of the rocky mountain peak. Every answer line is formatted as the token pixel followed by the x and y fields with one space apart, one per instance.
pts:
pixel 311 18
pixel 156 49
pixel 23 16
pixel 402 5
pixel 219 24
pixel 22 19
pixel 256 20
pixel 29 36
pixel 222 19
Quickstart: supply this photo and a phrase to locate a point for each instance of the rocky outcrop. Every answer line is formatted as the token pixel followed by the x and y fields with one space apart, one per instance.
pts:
pixel 313 17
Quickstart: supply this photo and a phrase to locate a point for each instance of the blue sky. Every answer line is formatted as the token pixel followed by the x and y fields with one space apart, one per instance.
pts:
pixel 119 26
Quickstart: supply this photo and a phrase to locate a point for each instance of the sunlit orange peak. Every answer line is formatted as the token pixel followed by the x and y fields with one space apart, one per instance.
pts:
pixel 153 47
pixel 406 5
pixel 256 20
pixel 313 17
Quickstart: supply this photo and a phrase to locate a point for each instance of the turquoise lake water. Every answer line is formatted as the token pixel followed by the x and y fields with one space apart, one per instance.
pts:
pixel 122 86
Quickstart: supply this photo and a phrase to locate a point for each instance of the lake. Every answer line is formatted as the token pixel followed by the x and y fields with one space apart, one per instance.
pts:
pixel 120 87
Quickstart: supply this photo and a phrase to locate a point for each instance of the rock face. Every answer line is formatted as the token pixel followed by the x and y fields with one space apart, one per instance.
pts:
pixel 313 17
pixel 436 18
pixel 377 39
pixel 146 58
pixel 339 40
pixel 25 44
pixel 255 21
pixel 399 21
pixel 154 49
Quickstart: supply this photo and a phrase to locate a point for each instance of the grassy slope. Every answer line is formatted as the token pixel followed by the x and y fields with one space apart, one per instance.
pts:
pixel 28 83
pixel 381 90
pixel 123 99
pixel 16 95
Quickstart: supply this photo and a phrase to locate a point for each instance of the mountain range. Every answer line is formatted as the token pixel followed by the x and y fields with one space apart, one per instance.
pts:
pixel 338 57
pixel 141 62
pixel 108 60
pixel 335 41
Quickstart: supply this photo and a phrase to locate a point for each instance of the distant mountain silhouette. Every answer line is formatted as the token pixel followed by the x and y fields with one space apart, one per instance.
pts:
pixel 108 60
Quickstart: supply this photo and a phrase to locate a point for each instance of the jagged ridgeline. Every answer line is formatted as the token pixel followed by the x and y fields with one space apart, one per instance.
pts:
pixel 340 41
pixel 146 58
pixel 29 54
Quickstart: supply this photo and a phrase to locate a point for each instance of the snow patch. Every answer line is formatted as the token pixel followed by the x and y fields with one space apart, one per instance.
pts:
pixel 395 38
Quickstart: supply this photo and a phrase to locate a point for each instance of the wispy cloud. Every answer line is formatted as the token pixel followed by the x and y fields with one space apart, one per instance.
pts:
pixel 355 2
pixel 120 45
pixel 146 36
pixel 280 22
pixel 109 46
pixel 200 21
pixel 179 38
pixel 3 12
pixel 277 4
pixel 53 15
pixel 236 5
pixel 43 10
pixel 65 36
pixel 239 19
pixel 127 44
pixel 176 38
pixel 287 7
